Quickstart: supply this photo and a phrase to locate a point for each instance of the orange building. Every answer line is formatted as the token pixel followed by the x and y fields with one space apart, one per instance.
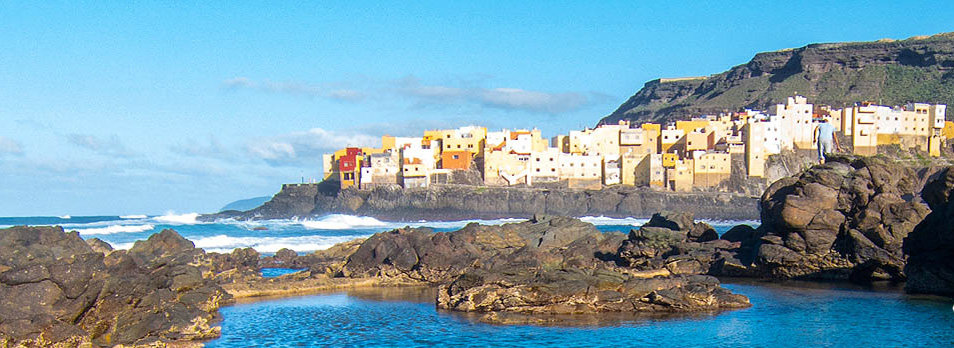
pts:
pixel 456 159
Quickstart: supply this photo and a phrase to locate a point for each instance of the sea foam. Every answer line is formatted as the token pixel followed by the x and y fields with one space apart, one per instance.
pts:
pixel 137 216
pixel 342 222
pixel 115 229
pixel 181 219
pixel 224 243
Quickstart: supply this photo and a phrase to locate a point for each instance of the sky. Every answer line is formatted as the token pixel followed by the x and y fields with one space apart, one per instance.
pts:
pixel 112 108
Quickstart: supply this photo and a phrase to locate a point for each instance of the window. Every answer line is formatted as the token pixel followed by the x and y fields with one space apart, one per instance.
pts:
pixel 552 169
pixel 458 146
pixel 538 170
pixel 456 156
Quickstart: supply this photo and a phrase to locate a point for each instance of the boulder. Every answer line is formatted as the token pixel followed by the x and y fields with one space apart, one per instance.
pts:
pixel 55 289
pixel 930 246
pixel 845 219
pixel 676 244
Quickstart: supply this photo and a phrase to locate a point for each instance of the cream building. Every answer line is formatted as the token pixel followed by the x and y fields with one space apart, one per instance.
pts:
pixel 680 177
pixel 545 166
pixel 795 121
pixel 710 169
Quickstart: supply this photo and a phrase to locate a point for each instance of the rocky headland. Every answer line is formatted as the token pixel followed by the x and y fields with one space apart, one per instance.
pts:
pixel 462 202
pixel 860 219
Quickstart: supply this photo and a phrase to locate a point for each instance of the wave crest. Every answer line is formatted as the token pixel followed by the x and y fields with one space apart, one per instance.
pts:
pixel 116 229
pixel 181 219
pixel 342 222
pixel 224 243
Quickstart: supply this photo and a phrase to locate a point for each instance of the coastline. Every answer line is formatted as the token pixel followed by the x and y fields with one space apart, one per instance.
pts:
pixel 463 202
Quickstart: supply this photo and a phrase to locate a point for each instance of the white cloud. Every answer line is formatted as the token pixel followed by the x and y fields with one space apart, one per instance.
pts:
pixel 194 148
pixel 10 147
pixel 296 88
pixel 499 98
pixel 110 146
pixel 306 147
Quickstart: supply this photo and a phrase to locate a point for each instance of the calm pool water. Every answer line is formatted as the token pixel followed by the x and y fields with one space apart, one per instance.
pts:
pixel 794 315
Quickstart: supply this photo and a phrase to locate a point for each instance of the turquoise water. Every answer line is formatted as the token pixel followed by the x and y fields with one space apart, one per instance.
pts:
pixel 780 316
pixel 785 316
pixel 276 272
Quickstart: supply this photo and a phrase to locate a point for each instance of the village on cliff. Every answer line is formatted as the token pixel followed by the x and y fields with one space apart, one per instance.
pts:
pixel 682 156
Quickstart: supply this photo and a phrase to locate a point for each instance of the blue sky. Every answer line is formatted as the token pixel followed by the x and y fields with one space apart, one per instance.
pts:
pixel 150 107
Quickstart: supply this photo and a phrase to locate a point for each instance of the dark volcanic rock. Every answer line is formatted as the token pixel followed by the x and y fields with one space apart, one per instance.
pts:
pixel 458 202
pixel 569 292
pixel 676 244
pixel 930 247
pixel 54 288
pixel 845 219
pixel 420 254
pixel 553 265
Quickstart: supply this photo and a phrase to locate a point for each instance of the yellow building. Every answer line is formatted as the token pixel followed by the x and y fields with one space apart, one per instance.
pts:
pixel 629 162
pixel 680 177
pixel 638 141
pixel 650 171
pixel 669 159
pixel 755 154
pixel 698 140
pixel 710 168
pixel 864 135
pixel 470 138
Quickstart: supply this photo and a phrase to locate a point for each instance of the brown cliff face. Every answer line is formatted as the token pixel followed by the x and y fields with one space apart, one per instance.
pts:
pixel 892 72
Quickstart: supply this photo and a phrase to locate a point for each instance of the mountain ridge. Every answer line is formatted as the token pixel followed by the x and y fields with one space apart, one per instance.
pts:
pixel 893 72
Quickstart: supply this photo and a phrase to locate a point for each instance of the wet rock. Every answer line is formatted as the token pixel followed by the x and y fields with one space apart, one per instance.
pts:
pixel 570 292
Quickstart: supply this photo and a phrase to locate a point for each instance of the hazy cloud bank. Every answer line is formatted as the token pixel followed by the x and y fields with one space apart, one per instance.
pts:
pixel 296 88
pixel 10 147
pixel 298 148
pixel 413 90
pixel 110 146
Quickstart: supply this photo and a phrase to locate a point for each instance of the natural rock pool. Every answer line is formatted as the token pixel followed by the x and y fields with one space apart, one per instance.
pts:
pixel 791 315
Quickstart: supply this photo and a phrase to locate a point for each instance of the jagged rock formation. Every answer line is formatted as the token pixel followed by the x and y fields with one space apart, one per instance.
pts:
pixel 553 265
pixel 893 72
pixel 57 290
pixel 845 219
pixel 930 247
pixel 459 202
pixel 673 243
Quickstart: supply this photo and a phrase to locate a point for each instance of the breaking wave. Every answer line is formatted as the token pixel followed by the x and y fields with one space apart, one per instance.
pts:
pixel 224 243
pixel 140 216
pixel 181 219
pixel 608 221
pixel 342 222
pixel 115 229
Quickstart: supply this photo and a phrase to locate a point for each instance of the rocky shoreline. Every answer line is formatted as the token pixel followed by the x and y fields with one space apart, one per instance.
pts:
pixel 464 202
pixel 855 219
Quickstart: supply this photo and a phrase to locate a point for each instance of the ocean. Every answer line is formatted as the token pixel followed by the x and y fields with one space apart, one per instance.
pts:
pixel 793 314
